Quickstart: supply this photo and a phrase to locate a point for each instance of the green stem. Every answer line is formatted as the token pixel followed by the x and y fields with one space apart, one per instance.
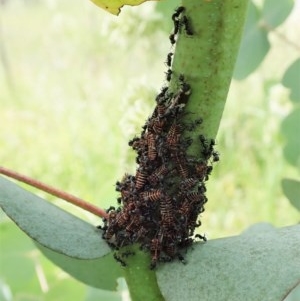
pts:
pixel 207 59
pixel 141 281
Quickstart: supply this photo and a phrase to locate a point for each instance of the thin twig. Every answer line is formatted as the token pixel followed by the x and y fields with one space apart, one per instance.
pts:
pixel 280 35
pixel 54 191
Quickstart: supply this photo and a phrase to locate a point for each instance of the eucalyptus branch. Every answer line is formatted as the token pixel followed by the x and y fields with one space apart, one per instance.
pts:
pixel 54 191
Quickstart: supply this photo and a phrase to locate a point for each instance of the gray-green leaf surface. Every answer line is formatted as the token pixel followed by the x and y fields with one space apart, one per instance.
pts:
pixel 49 225
pixel 258 265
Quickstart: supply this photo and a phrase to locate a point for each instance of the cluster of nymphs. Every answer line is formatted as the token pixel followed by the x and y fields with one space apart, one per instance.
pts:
pixel 161 203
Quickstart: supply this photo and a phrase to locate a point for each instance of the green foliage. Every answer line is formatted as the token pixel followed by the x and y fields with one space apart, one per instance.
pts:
pixel 244 267
pixel 229 258
pixel 290 129
pixel 100 272
pixel 291 189
pixel 255 44
pixel 26 275
pixel 49 225
pixel 250 57
pixel 85 135
pixel 291 80
pixel 274 12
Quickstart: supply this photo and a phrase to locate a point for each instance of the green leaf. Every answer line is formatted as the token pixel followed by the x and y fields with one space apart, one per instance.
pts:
pixel 100 273
pixel 290 128
pixel 5 293
pixel 291 80
pixel 254 46
pixel 94 294
pixel 114 6
pixel 49 225
pixel 291 189
pixel 17 267
pixel 275 12
pixel 63 290
pixel 261 265
pixel 294 295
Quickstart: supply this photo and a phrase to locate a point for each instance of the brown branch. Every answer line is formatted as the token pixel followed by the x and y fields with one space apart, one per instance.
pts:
pixel 54 191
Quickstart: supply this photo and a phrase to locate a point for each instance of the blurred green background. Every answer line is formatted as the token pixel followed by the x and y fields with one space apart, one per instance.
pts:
pixel 76 83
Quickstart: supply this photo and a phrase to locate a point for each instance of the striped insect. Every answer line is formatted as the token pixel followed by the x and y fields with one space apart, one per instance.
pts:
pixel 195 197
pixel 158 174
pixel 153 195
pixel 122 218
pixel 181 165
pixel 152 151
pixel 185 209
pixel 201 170
pixel 133 226
pixel 167 212
pixel 140 178
pixel 188 184
pixel 158 124
pixel 173 136
pixel 155 249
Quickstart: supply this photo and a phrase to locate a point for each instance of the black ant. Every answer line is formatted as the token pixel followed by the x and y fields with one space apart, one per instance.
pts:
pixel 185 88
pixel 202 237
pixel 127 253
pixel 169 60
pixel 177 13
pixel 119 259
pixel 216 156
pixel 172 38
pixel 169 74
pixel 181 258
pixel 177 25
pixel 111 208
pixel 187 26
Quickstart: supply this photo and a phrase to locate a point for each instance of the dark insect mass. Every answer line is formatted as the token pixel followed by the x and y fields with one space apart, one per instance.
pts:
pixel 159 206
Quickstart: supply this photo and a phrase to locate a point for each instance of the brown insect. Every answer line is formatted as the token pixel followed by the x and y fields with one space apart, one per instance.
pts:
pixel 158 124
pixel 188 184
pixel 173 135
pixel 122 218
pixel 201 170
pixel 167 212
pixel 155 249
pixel 158 174
pixel 181 166
pixel 154 195
pixel 133 226
pixel 152 152
pixel 195 197
pixel 140 178
pixel 185 209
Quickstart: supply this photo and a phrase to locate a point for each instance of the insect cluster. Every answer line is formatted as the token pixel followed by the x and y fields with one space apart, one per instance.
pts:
pixel 160 204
